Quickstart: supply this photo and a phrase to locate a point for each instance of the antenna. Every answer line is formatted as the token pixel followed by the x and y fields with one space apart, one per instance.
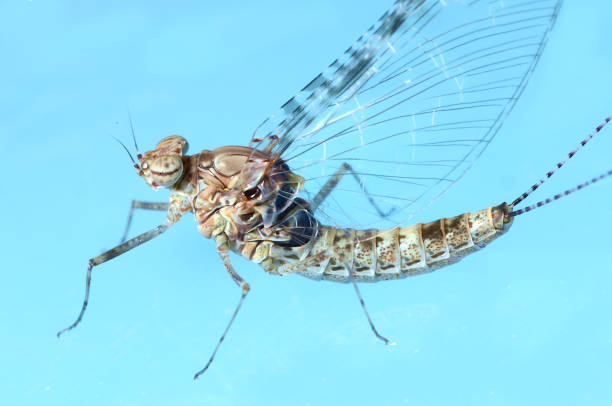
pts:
pixel 126 150
pixel 138 154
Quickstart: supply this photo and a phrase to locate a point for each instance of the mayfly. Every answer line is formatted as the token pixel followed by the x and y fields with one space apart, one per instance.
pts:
pixel 404 112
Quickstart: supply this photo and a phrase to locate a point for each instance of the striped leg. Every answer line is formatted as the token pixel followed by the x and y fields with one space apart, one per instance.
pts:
pixel 333 182
pixel 107 256
pixel 137 204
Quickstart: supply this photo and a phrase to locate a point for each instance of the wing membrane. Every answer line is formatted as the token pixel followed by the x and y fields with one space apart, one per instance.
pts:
pixel 410 106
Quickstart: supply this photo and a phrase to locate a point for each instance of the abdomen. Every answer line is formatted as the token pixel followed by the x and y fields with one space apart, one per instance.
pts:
pixel 374 255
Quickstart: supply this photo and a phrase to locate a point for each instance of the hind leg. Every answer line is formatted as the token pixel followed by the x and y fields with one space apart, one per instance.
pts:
pixel 333 181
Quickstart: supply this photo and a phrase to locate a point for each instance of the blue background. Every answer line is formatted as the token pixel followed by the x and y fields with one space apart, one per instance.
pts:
pixel 526 321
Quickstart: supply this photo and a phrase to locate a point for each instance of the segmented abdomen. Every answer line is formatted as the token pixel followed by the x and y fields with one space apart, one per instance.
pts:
pixel 373 255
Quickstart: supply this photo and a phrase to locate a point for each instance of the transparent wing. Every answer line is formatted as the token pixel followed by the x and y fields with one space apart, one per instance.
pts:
pixel 410 106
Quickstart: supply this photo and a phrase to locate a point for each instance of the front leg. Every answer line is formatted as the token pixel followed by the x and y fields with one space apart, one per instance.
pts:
pixel 137 204
pixel 174 215
pixel 222 249
pixel 107 256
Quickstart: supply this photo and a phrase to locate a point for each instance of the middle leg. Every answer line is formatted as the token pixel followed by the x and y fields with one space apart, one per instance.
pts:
pixel 243 285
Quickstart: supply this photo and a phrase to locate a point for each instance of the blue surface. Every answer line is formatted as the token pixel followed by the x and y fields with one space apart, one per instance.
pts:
pixel 527 321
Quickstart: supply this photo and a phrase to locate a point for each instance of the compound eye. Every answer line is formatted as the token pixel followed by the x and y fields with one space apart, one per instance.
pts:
pixel 174 144
pixel 166 170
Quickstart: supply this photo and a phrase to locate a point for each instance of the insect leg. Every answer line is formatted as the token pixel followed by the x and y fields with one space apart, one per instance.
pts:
pixel 333 182
pixel 107 256
pixel 245 289
pixel 137 204
pixel 293 268
pixel 365 310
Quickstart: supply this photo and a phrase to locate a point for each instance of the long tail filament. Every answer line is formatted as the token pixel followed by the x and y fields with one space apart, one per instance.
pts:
pixel 553 171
